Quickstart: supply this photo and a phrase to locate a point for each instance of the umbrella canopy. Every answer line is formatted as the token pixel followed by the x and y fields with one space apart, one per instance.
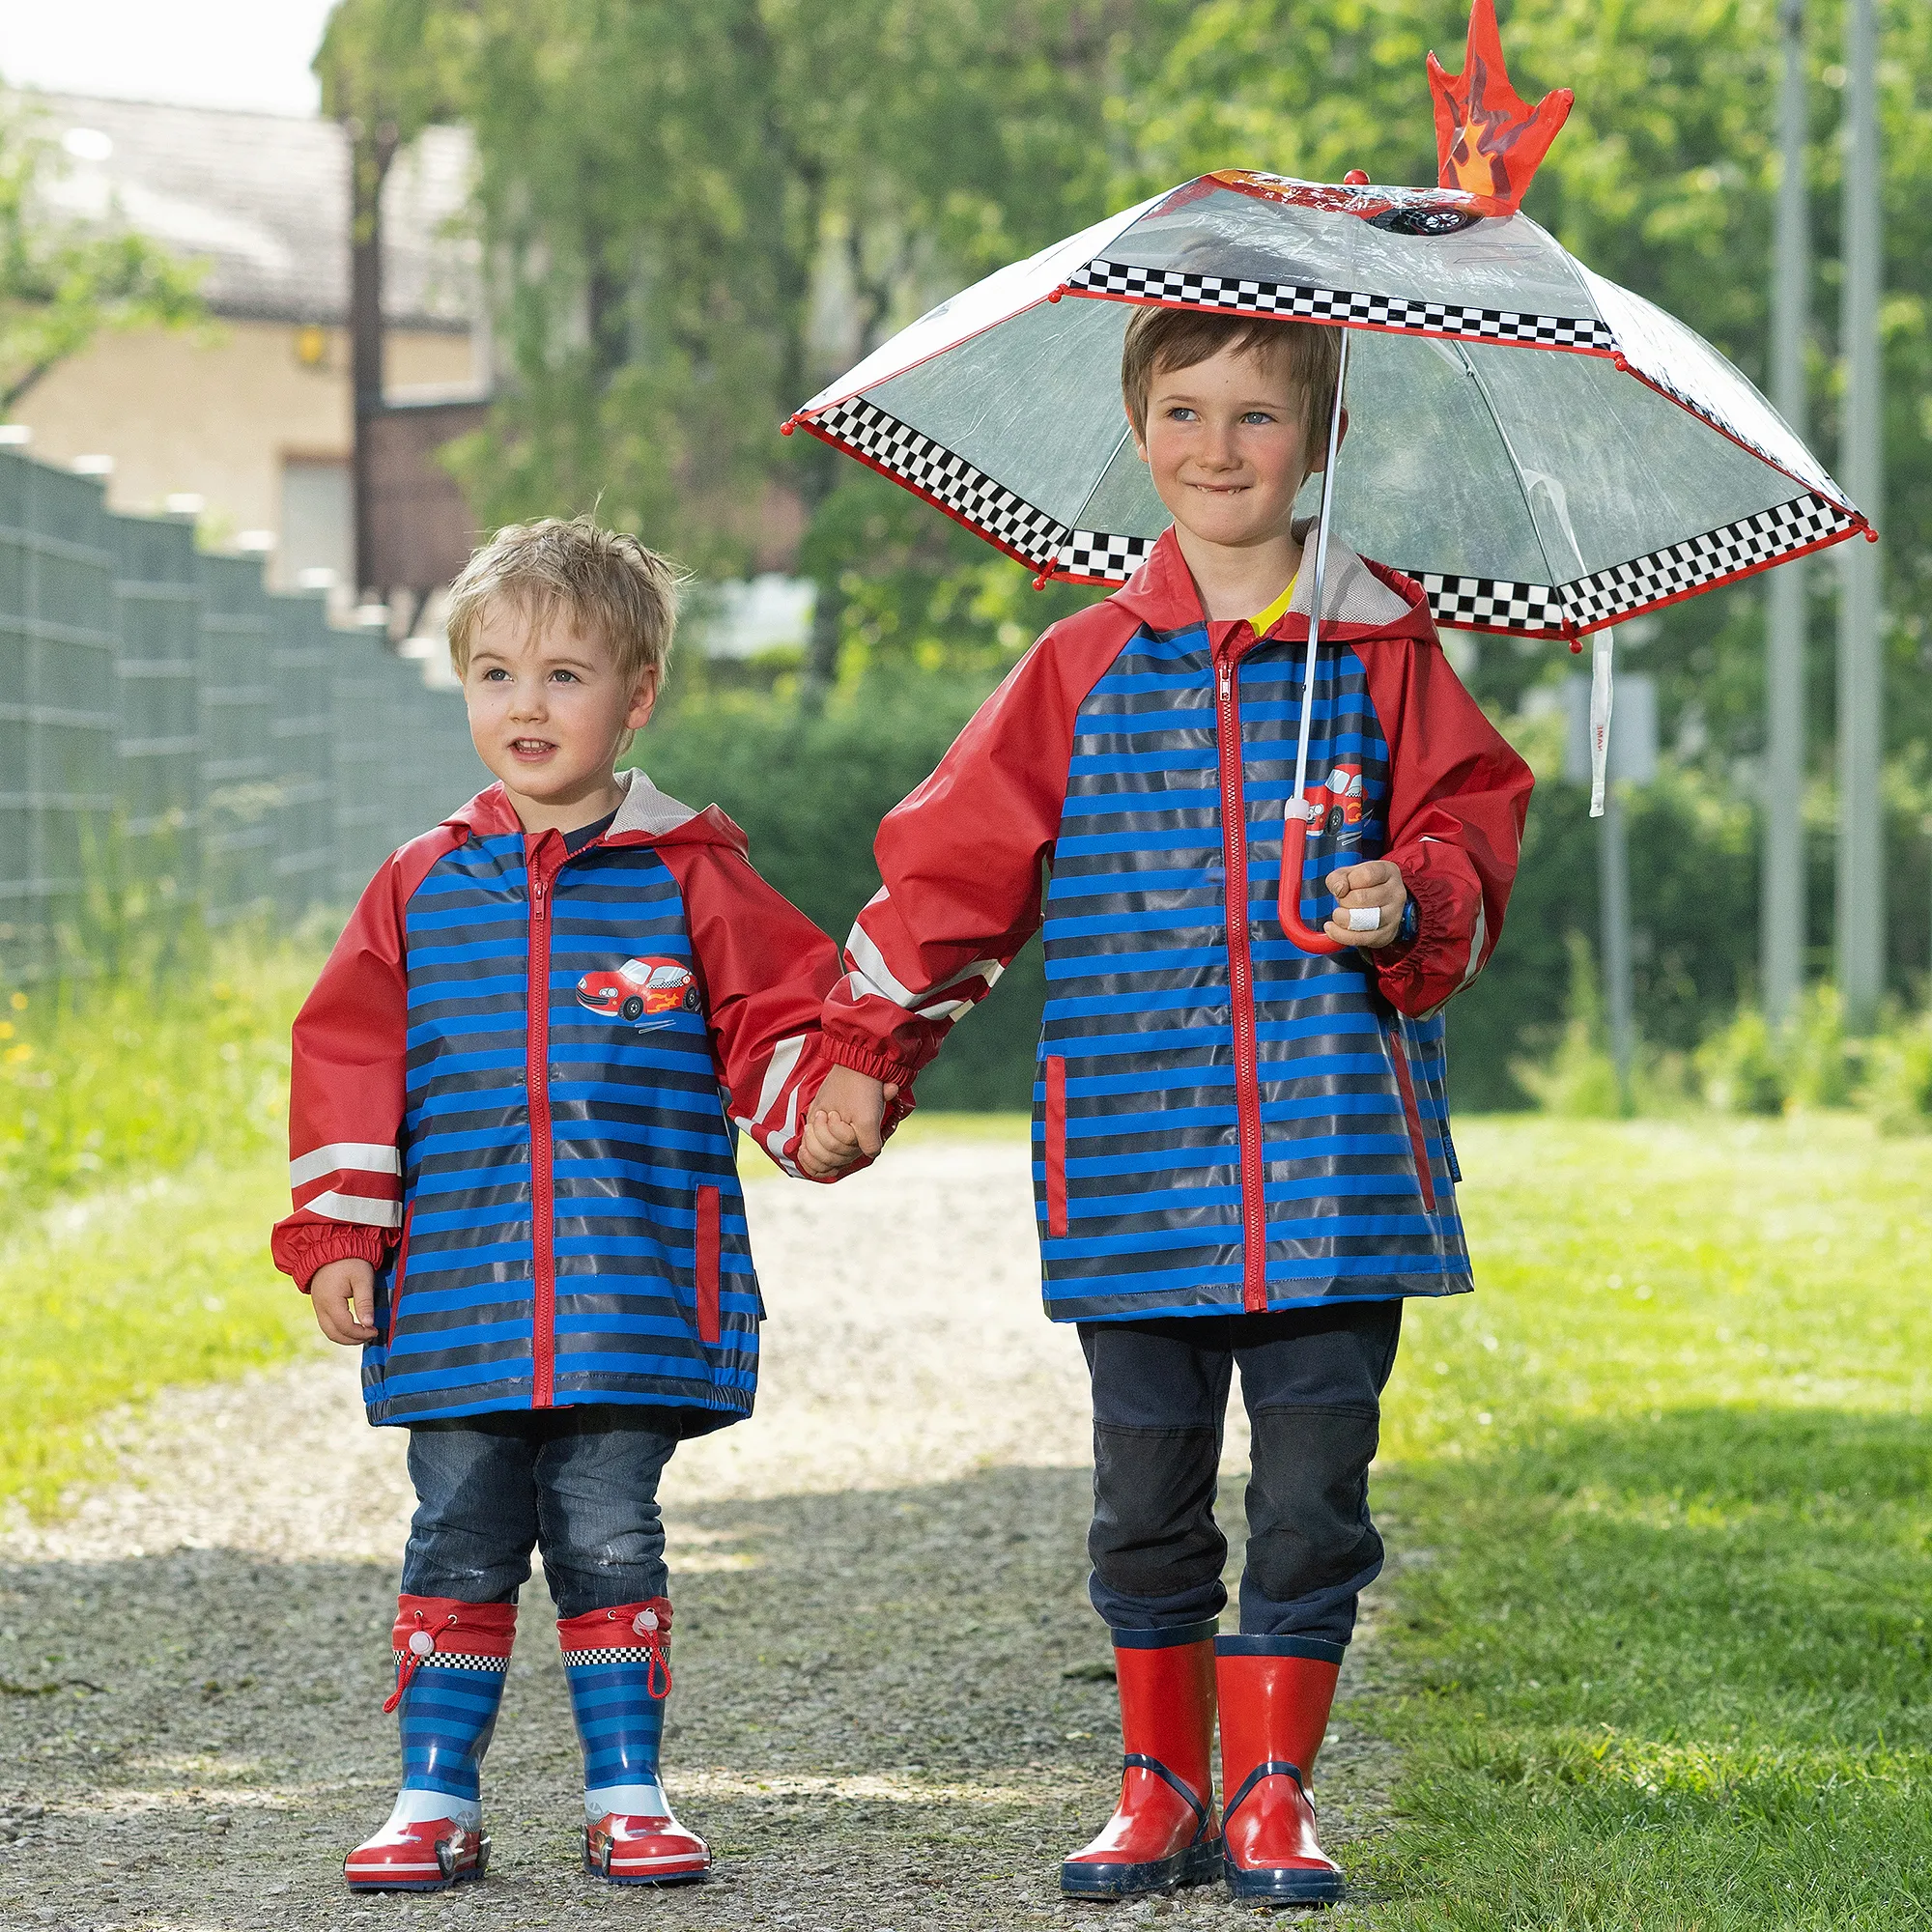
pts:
pixel 1545 452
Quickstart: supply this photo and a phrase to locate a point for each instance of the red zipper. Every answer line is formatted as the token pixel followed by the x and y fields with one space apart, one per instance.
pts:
pixel 1241 984
pixel 536 1081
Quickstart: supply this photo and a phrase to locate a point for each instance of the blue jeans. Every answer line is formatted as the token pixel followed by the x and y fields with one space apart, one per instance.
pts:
pixel 1312 1379
pixel 579 1484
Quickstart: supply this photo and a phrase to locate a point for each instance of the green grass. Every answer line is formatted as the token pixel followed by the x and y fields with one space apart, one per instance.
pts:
pixel 142 1073
pixel 106 1301
pixel 1664 1663
pixel 141 1283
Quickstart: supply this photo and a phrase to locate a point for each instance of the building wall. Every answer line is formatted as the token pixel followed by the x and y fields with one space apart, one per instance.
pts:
pixel 219 412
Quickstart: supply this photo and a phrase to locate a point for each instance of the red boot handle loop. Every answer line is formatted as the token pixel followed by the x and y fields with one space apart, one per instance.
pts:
pixel 1293 848
pixel 415 1659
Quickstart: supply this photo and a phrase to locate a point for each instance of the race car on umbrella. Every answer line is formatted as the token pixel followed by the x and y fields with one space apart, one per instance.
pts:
pixel 643 992
pixel 1338 805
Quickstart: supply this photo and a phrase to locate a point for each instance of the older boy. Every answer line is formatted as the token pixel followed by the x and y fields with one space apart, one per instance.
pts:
pixel 515 1184
pixel 1243 1158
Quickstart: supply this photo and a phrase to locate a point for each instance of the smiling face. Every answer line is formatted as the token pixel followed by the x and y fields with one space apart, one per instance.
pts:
pixel 549 712
pixel 1226 441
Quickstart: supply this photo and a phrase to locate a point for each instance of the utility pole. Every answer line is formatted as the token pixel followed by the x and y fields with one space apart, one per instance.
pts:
pixel 1860 895
pixel 1619 978
pixel 1781 933
pixel 371 151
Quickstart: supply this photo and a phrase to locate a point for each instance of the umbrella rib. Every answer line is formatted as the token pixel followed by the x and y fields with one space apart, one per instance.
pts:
pixel 1515 463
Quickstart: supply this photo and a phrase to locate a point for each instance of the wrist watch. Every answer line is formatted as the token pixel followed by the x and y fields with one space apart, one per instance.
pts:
pixel 1410 925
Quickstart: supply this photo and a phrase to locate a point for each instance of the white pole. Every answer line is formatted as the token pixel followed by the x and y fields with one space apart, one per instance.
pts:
pixel 1297 806
pixel 1861 895
pixel 1781 929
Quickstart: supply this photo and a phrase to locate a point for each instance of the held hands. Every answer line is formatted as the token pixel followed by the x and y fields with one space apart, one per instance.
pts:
pixel 1376 882
pixel 846 1122
pixel 344 1297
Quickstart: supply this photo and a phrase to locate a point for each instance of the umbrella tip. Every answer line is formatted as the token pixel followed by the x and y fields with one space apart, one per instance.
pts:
pixel 1355 177
pixel 790 424
pixel 1054 295
pixel 1039 581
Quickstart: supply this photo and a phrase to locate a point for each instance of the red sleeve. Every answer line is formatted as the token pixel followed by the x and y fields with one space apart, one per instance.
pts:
pixel 1458 797
pixel 963 857
pixel 346 1082
pixel 766 970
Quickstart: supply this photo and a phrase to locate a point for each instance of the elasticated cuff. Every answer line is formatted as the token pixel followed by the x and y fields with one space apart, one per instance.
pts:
pixel 878 1066
pixel 1314 1649
pixel 1165 1639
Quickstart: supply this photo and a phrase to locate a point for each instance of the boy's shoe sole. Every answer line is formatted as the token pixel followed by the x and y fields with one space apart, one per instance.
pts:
pixel 1093 1877
pixel 1285 1884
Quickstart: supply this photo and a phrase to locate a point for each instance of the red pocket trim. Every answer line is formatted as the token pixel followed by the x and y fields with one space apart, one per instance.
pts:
pixel 1056 1147
pixel 708 1330
pixel 398 1272
pixel 1418 1140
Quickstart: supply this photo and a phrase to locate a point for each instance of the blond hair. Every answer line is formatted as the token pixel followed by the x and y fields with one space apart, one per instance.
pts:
pixel 609 583
pixel 1164 339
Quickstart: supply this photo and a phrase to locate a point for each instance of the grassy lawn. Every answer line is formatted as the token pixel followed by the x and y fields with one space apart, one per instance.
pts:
pixel 1660 1652
pixel 1665 1660
pixel 106 1300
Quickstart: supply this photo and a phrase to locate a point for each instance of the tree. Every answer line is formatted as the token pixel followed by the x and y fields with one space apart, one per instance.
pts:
pixel 63 283
pixel 699 215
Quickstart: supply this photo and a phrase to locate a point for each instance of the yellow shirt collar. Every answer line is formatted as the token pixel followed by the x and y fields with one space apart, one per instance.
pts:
pixel 1277 611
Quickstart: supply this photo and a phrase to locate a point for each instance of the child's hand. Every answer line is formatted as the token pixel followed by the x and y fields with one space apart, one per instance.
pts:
pixel 831 1145
pixel 1376 883
pixel 845 1121
pixel 338 1292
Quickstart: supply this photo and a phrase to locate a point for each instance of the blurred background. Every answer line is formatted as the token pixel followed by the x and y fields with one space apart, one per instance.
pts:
pixel 318 294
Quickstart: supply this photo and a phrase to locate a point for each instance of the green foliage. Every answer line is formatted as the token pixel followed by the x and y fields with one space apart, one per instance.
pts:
pixel 180 1054
pixel 1667 1662
pixel 1578 1079
pixel 1898 1090
pixel 1745 1065
pixel 147 1286
pixel 63 283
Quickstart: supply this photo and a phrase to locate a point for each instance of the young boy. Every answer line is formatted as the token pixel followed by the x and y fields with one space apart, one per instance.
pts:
pixel 515 1184
pixel 1242 1149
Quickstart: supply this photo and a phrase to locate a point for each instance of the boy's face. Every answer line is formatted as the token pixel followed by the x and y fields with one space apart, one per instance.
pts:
pixel 1224 441
pixel 547 707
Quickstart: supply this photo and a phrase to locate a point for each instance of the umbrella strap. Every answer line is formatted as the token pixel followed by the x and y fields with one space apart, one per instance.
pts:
pixel 1603 651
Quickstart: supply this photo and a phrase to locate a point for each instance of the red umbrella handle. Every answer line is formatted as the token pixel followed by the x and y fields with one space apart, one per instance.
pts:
pixel 1294 846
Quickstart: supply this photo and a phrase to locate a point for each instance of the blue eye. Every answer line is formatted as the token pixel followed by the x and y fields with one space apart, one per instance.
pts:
pixel 564 677
pixel 493 673
pixel 1258 416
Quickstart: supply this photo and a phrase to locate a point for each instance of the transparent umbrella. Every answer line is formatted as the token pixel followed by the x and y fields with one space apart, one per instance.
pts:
pixel 1545 452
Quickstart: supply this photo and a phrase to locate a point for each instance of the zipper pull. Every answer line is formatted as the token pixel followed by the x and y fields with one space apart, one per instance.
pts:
pixel 1227 680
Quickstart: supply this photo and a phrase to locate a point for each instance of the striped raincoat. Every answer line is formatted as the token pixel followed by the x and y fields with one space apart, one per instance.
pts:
pixel 1222 1123
pixel 514 1093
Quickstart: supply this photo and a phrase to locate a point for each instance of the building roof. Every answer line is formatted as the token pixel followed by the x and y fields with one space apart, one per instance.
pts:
pixel 264 200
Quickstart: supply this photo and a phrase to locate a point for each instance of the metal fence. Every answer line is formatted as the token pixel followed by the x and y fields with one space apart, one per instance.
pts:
pixel 168 725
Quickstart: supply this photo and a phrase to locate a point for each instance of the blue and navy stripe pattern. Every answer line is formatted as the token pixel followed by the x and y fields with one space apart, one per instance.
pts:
pixel 1136 1129
pixel 631 1138
pixel 448 1717
pixel 620 1722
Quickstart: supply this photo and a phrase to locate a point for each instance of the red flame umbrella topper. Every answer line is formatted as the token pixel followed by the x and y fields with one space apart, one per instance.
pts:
pixel 1545 452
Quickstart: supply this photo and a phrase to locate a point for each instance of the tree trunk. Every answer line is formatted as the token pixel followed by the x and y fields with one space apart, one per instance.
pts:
pixel 370 152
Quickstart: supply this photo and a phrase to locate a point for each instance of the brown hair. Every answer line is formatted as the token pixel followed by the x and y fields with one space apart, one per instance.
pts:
pixel 608 583
pixel 1162 339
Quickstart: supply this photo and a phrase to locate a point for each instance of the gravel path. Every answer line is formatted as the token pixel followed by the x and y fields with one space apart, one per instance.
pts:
pixel 890 1710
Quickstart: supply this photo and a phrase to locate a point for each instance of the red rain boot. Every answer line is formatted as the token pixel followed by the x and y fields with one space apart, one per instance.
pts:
pixel 1274 1713
pixel 1162 1832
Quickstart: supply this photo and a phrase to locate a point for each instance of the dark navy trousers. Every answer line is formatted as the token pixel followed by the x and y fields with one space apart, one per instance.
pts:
pixel 581 1483
pixel 1311 1380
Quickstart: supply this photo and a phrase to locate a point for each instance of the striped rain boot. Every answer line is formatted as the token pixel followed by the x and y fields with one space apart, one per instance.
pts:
pixel 450 1661
pixel 618 1663
pixel 1162 1833
pixel 1275 1698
